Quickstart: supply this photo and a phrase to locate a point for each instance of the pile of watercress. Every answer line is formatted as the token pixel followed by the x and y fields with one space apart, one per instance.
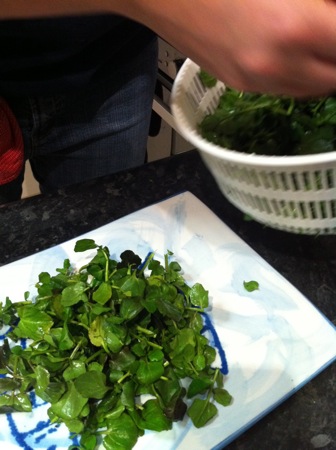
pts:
pixel 270 125
pixel 110 347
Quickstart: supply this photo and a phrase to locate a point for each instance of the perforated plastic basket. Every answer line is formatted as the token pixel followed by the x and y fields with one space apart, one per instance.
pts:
pixel 291 193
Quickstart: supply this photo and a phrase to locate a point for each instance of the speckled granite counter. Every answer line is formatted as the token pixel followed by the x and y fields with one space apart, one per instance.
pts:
pixel 305 421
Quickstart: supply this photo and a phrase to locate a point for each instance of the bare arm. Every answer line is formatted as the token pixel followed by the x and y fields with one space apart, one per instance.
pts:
pixel 284 47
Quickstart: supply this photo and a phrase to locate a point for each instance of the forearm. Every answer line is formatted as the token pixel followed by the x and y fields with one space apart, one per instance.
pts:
pixel 165 18
pixel 286 47
pixel 139 10
pixel 21 9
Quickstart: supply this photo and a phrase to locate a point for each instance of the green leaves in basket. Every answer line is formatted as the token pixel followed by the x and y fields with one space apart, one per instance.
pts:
pixel 270 125
pixel 207 80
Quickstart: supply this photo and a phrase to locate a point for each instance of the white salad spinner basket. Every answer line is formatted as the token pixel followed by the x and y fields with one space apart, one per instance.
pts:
pixel 291 193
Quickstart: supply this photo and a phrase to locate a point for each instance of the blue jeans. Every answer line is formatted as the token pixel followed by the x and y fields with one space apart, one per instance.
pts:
pixel 91 132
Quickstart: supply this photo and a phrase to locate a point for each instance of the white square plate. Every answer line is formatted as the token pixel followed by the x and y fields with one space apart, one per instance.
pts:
pixel 274 339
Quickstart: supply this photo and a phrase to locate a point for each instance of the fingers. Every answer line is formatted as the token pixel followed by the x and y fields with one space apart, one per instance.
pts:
pixel 322 37
pixel 295 56
pixel 299 76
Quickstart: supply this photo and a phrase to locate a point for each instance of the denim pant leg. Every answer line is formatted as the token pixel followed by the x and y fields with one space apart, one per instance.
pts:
pixel 92 132
pixel 12 191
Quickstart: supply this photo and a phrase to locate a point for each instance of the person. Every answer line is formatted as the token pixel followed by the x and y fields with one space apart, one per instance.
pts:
pixel 81 90
pixel 286 47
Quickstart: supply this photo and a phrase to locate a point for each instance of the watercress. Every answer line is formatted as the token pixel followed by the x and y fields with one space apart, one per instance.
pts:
pixel 270 125
pixel 115 347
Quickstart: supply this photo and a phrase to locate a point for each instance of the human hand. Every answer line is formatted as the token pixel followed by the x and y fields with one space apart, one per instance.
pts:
pixel 281 47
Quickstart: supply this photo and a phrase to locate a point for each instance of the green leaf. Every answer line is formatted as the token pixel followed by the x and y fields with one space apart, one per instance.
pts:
pixel 198 386
pixel 166 308
pixel 98 310
pixel 74 370
pixel 131 286
pixel 199 296
pixel 156 269
pixel 52 393
pixel 42 378
pixel 183 343
pixel 8 384
pixel 251 286
pixel 91 385
pixel 152 293
pixel 88 441
pixel 127 397
pixel 22 403
pixel 115 335
pixel 122 434
pixel 130 308
pixel 66 342
pixel 7 312
pixel 155 355
pixel 196 321
pixel 222 397
pixel 33 323
pixel 149 372
pixel 70 405
pixel 115 412
pixel 73 294
pixel 6 403
pixel 201 411
pixel 95 366
pixel 154 418
pixel 123 360
pixel 172 394
pixel 210 354
pixel 103 293
pixel 199 362
pixel 169 389
pixel 44 278
pixel 96 332
pixel 85 244
pixel 97 271
pixel 74 425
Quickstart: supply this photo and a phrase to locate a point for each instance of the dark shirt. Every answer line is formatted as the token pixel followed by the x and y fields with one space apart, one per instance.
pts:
pixel 51 56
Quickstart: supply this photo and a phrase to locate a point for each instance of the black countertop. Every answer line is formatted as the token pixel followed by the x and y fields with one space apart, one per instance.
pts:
pixel 307 420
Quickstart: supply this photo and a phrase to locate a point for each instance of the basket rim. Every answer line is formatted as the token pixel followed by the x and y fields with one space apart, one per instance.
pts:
pixel 234 156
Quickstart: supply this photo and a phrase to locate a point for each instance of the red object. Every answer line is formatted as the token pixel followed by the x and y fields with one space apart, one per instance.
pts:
pixel 11 145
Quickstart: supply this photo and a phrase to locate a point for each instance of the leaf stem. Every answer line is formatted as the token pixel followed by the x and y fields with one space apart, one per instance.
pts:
pixel 106 265
pixel 94 356
pixel 145 331
pixel 152 344
pixel 126 375
pixel 75 350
